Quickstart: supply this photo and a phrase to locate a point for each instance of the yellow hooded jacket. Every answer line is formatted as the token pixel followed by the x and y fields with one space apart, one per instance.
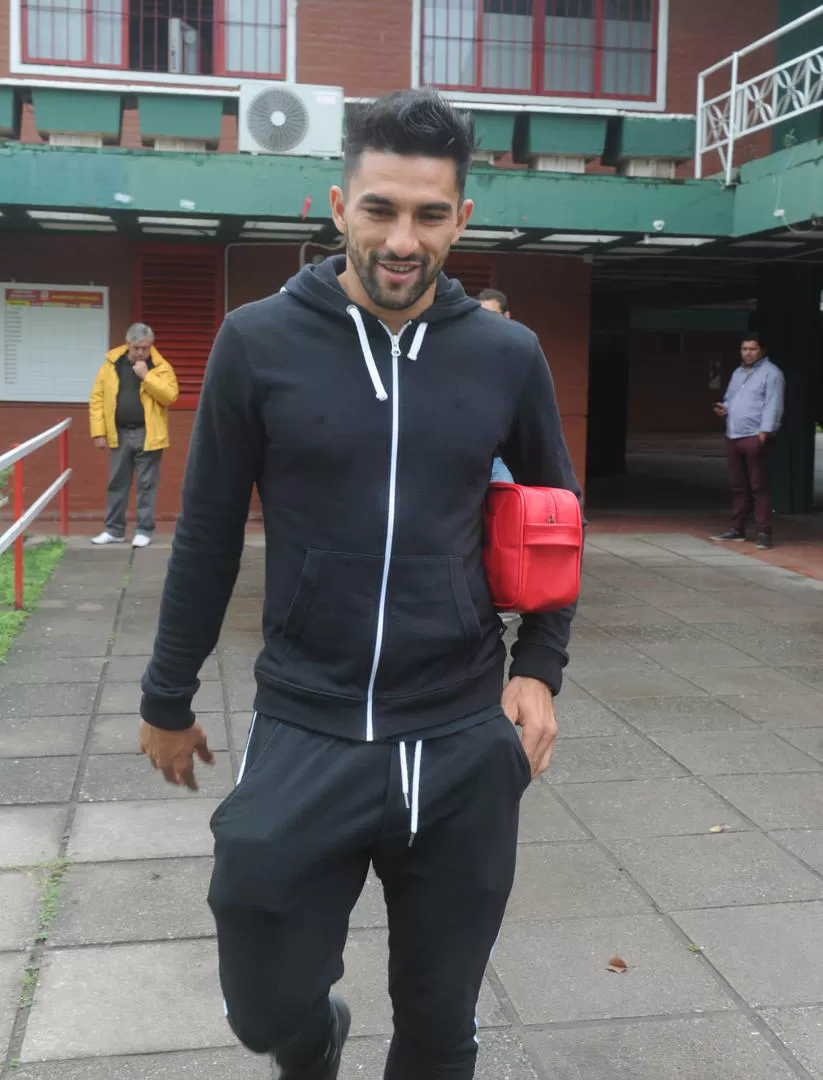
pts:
pixel 157 391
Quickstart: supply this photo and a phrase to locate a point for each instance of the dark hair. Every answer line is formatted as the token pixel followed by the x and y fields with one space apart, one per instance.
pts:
pixel 497 296
pixel 756 337
pixel 413 123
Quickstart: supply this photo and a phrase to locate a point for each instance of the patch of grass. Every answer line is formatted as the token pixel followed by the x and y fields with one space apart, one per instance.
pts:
pixel 49 905
pixel 38 563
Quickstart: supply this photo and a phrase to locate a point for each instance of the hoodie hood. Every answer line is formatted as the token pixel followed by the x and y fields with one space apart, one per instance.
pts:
pixel 318 288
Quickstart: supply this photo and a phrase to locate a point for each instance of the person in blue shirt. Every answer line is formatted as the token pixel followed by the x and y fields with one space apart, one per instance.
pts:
pixel 494 300
pixel 752 408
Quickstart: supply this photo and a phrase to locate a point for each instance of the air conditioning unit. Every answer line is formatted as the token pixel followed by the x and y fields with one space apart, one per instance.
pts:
pixel 288 118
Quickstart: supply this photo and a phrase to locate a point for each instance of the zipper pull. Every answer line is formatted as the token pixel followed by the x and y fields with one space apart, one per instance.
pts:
pixel 395 345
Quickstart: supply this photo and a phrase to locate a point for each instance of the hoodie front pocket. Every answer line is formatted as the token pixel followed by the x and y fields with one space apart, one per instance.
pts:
pixel 432 632
pixel 330 629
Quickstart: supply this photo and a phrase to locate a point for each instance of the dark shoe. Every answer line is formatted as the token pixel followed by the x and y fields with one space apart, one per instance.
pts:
pixel 764 542
pixel 328 1070
pixel 730 535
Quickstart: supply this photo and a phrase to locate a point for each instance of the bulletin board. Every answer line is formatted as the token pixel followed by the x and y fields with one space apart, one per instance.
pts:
pixel 54 339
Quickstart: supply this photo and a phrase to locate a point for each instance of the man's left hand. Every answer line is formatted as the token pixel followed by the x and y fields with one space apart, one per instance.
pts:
pixel 529 704
pixel 763 436
pixel 140 369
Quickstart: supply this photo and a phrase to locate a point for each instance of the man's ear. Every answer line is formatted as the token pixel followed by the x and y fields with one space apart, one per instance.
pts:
pixel 463 215
pixel 338 208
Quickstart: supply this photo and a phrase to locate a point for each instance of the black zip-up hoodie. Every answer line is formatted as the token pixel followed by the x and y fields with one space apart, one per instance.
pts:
pixel 371 453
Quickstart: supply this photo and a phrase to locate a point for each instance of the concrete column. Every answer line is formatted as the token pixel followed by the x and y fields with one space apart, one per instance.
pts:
pixel 788 313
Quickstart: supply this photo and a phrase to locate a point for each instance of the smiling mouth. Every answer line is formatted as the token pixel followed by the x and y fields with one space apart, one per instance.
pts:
pixel 399 269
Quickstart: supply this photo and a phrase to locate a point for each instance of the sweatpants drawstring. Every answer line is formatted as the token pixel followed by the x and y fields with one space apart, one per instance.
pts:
pixel 414 806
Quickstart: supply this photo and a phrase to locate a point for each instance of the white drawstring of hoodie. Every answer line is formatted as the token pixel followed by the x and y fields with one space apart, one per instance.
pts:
pixel 411 796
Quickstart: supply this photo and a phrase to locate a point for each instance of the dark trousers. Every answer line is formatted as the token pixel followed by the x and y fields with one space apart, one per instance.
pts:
pixel 750 476
pixel 126 459
pixel 294 842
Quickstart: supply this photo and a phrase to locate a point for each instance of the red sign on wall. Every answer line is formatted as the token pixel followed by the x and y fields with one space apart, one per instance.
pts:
pixel 72 298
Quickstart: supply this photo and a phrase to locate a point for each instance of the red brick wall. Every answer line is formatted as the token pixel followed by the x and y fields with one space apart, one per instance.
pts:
pixel 668 388
pixel 552 296
pixel 5 16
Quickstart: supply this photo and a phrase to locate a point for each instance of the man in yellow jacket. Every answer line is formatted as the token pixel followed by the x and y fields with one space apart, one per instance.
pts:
pixel 128 413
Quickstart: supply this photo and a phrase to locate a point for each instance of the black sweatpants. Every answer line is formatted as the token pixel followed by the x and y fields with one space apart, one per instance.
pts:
pixel 293 844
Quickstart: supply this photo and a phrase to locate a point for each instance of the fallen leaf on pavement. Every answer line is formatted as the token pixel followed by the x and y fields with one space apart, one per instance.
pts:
pixel 718 828
pixel 618 966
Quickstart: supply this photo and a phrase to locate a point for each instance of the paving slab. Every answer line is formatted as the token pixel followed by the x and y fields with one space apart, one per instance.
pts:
pixel 710 753
pixel 142 830
pixel 543 818
pixel 749 680
pixel 229 1063
pixel 614 618
pixel 584 719
pixel 30 834
pixel 770 644
pixel 501 1056
pixel 148 900
pixel 556 971
pixel 809 740
pixel 126 999
pixel 778 801
pixel 59 699
pixel 685 658
pixel 618 757
pixel 691 1048
pixel 556 881
pixel 779 711
pixel 23 667
pixel 770 954
pixel 131 669
pixel 41 736
pixel 801 1029
pixel 37 779
pixel 365 987
pixel 638 808
pixel 20 894
pixel 716 870
pixel 117 777
pixel 12 971
pixel 806 844
pixel 370 910
pixel 811 675
pixel 615 685
pixel 682 714
pixel 118 734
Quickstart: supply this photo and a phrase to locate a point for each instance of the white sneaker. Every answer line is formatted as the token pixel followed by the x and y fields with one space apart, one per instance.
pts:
pixel 141 540
pixel 107 538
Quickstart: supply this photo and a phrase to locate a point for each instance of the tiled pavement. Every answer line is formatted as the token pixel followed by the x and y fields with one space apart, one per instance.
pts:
pixel 681 828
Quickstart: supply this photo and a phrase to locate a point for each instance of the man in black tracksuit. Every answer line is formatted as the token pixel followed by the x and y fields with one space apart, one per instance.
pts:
pixel 366 402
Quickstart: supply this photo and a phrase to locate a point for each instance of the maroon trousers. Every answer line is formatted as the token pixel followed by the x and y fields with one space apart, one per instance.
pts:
pixel 750 476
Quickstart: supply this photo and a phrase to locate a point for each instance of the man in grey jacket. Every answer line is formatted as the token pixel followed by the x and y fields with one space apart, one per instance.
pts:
pixel 752 407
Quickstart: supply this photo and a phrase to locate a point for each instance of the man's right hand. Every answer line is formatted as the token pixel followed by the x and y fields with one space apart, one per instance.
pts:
pixel 100 442
pixel 719 409
pixel 172 752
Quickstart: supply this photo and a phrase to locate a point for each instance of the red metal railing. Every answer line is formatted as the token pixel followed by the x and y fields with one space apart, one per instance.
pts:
pixel 22 519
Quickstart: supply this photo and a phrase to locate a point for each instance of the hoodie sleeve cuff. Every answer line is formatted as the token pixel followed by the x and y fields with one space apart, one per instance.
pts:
pixel 169 714
pixel 539 662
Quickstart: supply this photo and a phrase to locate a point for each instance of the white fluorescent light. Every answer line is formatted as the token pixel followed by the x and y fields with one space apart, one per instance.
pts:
pixel 641 249
pixel 580 238
pixel 776 244
pixel 78 226
pixel 492 234
pixel 168 230
pixel 60 215
pixel 474 244
pixel 286 238
pixel 677 241
pixel 182 222
pixel 569 248
pixel 282 226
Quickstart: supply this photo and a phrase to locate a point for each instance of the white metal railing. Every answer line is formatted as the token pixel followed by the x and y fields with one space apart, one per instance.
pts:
pixel 779 94
pixel 24 518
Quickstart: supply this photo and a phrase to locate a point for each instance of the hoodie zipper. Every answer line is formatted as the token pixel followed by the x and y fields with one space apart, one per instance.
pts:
pixel 395 435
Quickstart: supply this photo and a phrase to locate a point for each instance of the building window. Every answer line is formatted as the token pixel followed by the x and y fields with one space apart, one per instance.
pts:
pixel 180 37
pixel 581 48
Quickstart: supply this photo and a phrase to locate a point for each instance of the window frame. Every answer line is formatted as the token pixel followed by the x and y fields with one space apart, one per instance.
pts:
pixel 21 63
pixel 477 96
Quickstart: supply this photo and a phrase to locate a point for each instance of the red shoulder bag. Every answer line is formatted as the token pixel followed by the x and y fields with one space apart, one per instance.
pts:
pixel 533 547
